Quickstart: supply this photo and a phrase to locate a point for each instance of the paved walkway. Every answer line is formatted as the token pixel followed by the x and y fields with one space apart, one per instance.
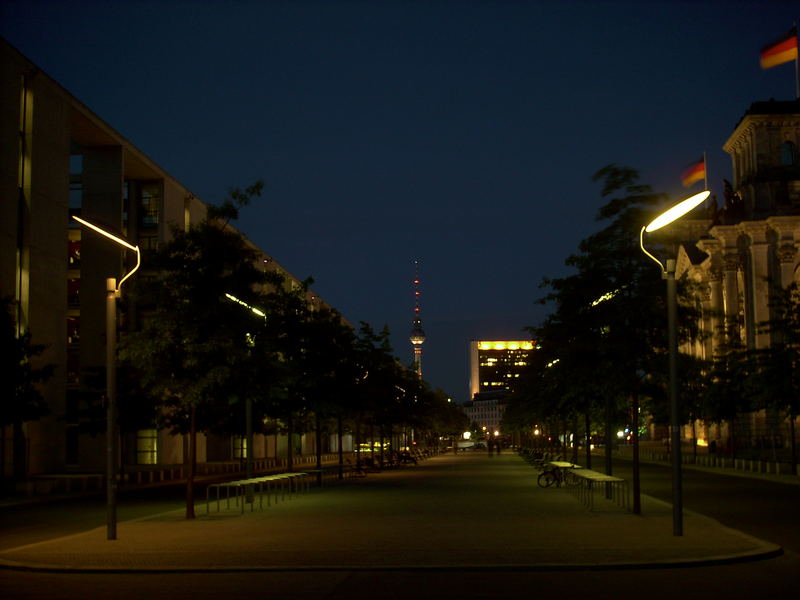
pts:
pixel 450 512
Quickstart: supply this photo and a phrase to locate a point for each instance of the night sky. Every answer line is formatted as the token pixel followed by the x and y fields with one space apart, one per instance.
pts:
pixel 460 134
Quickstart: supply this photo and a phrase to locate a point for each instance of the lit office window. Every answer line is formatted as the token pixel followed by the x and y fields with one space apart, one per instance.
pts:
pixel 147 447
pixel 239 446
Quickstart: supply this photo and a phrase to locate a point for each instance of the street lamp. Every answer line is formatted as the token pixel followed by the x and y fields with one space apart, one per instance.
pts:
pixel 668 273
pixel 112 293
pixel 248 469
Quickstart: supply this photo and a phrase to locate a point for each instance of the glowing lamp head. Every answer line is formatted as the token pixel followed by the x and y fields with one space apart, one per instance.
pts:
pixel 677 211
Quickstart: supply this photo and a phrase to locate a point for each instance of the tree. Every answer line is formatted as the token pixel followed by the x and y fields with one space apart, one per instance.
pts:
pixel 192 341
pixel 608 327
pixel 20 377
pixel 775 382
pixel 727 392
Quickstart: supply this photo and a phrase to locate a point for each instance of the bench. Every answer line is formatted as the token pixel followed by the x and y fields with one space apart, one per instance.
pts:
pixel 583 481
pixel 243 487
pixel 330 473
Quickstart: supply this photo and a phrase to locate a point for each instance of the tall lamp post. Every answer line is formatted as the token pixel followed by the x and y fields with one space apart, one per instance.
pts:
pixel 112 293
pixel 248 404
pixel 668 273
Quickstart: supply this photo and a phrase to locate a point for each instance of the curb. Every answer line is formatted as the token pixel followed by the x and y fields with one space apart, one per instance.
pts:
pixel 766 553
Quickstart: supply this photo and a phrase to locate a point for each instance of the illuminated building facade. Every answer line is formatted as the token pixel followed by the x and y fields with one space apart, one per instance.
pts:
pixel 494 367
pixel 741 252
pixel 58 159
pixel 486 411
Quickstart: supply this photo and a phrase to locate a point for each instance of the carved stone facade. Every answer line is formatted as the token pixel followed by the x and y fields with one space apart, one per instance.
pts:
pixel 751 245
pixel 742 262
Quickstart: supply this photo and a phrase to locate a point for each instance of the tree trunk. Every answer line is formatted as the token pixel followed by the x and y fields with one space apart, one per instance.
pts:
pixel 793 442
pixel 358 441
pixel 20 453
pixel 609 442
pixel 290 444
pixel 192 463
pixel 637 500
pixel 340 437
pixel 372 442
pixel 318 443
pixel 575 440
pixel 588 440
pixel 609 437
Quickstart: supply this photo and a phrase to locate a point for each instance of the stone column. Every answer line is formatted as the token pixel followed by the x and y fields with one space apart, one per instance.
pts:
pixel 717 307
pixel 759 280
pixel 730 289
pixel 788 230
pixel 716 304
pixel 730 263
pixel 787 255
pixel 707 308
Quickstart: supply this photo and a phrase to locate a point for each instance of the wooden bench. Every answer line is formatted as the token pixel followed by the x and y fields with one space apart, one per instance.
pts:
pixel 583 481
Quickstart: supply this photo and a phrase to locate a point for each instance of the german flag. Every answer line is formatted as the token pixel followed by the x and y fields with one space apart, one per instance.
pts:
pixel 782 50
pixel 694 172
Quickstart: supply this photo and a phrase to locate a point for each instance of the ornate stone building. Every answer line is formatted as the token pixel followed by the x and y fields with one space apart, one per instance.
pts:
pixel 746 248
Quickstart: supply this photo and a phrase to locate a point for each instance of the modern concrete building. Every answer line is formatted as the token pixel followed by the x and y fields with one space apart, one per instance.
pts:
pixel 742 251
pixel 57 159
pixel 495 365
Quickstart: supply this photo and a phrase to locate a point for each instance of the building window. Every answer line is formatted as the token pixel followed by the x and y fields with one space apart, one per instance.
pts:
pixel 148 243
pixel 149 202
pixel 73 368
pixel 73 330
pixel 75 193
pixel 147 447
pixel 73 292
pixel 788 154
pixel 74 254
pixel 239 447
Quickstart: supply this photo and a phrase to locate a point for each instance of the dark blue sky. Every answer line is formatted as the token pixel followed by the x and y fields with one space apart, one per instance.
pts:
pixel 462 134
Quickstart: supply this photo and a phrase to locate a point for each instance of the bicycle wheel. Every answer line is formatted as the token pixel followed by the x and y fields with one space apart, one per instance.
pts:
pixel 546 479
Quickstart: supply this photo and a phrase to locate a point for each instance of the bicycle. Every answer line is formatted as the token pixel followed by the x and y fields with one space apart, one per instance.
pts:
pixel 550 476
pixel 557 475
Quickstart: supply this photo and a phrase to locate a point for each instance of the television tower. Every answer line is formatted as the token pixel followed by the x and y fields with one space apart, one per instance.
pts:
pixel 417 336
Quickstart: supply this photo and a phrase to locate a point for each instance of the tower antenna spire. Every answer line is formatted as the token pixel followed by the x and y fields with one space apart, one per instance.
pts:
pixel 417 336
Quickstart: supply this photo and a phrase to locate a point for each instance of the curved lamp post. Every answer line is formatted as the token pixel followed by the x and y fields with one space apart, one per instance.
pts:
pixel 248 406
pixel 112 293
pixel 668 273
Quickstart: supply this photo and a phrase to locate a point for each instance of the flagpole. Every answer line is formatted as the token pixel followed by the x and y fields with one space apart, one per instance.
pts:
pixel 705 168
pixel 797 64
